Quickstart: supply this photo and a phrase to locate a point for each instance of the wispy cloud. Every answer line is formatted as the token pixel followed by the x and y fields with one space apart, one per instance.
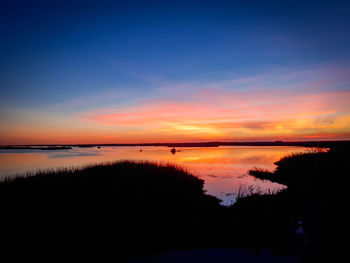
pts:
pixel 299 103
pixel 233 114
pixel 294 105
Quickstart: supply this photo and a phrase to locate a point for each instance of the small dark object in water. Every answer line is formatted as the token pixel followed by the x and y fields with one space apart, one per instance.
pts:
pixel 140 150
pixel 98 147
pixel 173 150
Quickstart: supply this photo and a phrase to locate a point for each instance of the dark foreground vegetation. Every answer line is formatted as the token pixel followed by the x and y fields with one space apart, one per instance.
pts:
pixel 110 211
pixel 316 201
pixel 119 211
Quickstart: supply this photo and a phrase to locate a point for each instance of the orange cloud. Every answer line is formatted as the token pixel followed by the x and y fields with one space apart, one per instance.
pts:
pixel 240 109
pixel 222 114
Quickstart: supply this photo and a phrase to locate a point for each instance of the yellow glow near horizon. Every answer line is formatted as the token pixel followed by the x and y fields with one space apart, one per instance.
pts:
pixel 322 116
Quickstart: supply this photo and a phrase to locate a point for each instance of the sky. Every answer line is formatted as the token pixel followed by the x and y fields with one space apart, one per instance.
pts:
pixel 173 71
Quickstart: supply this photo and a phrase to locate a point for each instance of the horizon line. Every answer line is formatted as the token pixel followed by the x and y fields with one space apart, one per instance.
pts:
pixel 181 143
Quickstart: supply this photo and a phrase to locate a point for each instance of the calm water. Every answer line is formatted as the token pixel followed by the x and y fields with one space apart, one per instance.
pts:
pixel 224 169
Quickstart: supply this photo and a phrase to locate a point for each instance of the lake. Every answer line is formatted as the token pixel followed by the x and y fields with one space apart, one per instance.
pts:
pixel 224 169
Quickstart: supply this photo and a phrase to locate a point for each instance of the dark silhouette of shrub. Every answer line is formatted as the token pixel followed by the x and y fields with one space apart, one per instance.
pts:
pixel 316 195
pixel 127 209
pixel 134 207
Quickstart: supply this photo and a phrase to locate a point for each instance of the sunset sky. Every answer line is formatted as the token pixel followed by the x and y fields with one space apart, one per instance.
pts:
pixel 173 71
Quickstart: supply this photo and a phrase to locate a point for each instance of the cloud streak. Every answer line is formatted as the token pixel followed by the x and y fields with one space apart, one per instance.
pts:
pixel 236 115
pixel 295 105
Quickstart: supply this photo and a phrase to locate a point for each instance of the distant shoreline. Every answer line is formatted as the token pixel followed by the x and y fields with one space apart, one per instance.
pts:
pixel 320 144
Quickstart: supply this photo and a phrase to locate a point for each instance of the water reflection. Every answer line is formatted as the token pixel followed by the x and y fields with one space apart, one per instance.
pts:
pixel 224 169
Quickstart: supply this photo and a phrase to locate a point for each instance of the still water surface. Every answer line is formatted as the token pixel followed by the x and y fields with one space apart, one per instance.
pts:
pixel 224 169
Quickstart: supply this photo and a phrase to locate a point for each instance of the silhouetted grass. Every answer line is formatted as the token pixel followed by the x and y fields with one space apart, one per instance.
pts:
pixel 120 209
pixel 316 197
pixel 123 210
pixel 127 209
pixel 261 173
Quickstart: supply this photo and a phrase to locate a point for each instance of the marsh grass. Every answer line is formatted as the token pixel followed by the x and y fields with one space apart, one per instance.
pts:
pixel 135 207
pixel 121 210
pixel 317 192
pixel 261 173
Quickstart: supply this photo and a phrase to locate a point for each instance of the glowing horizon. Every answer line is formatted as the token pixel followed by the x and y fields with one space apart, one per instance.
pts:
pixel 205 113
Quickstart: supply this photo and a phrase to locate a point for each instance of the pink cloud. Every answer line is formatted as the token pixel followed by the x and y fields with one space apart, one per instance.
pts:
pixel 310 104
pixel 216 112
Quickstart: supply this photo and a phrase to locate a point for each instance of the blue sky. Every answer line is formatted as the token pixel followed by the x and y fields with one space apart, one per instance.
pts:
pixel 88 55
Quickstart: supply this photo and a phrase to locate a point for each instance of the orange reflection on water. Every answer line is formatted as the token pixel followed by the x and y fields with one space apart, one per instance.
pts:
pixel 224 169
